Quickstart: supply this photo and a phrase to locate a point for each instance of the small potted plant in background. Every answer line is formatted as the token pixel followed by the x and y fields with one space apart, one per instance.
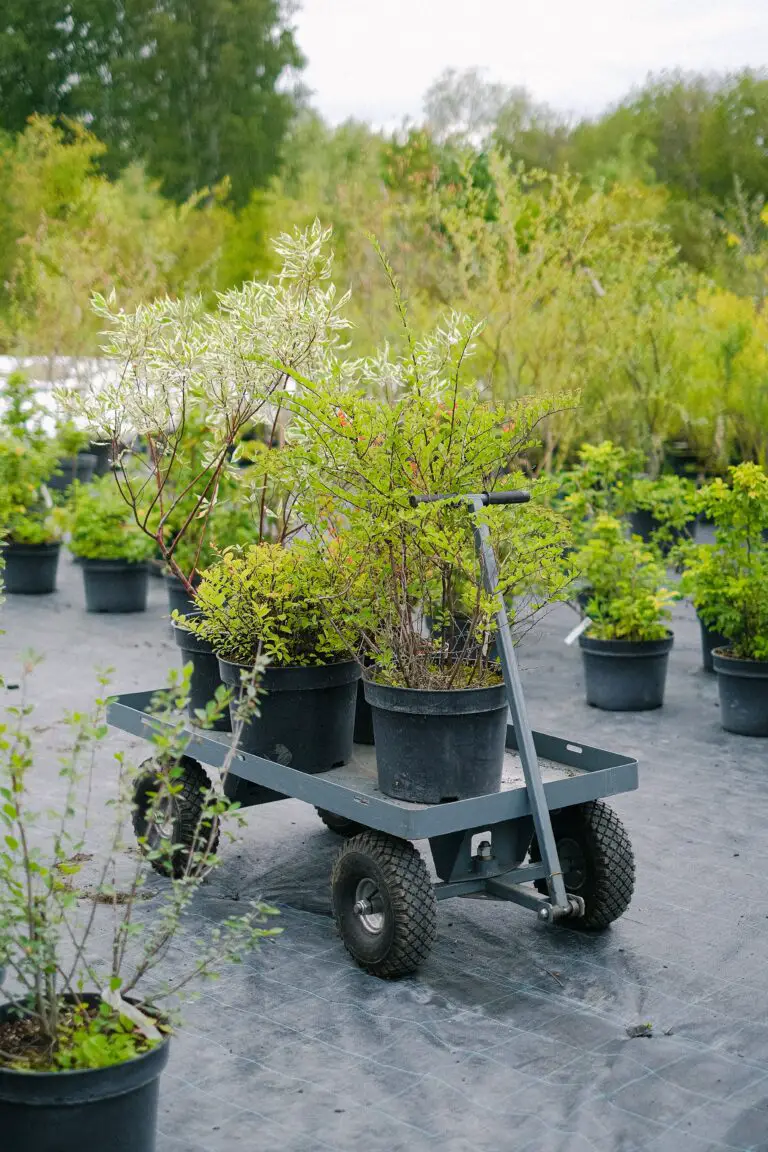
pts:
pixel 33 527
pixel 75 462
pixel 111 547
pixel 728 582
pixel 627 644
pixel 663 511
pixel 84 1022
pixel 283 605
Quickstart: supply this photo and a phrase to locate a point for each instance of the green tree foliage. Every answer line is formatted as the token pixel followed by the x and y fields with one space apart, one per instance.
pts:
pixel 196 90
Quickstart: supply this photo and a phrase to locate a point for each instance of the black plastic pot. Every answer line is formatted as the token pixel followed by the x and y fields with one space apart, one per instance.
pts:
pixel 115 585
pixel 743 687
pixel 363 717
pixel 178 597
pixel 682 460
pixel 710 640
pixel 433 746
pixel 103 455
pixel 625 675
pixel 643 524
pixel 80 467
pixel 205 671
pixel 30 569
pixel 99 1110
pixel 307 714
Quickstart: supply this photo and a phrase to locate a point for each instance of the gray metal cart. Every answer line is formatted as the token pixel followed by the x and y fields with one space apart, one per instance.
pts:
pixel 546 841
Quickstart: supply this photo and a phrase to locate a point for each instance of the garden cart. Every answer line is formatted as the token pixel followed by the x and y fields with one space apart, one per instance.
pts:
pixel 546 840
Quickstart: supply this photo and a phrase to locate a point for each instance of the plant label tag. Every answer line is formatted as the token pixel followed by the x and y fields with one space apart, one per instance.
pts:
pixel 47 498
pixel 574 634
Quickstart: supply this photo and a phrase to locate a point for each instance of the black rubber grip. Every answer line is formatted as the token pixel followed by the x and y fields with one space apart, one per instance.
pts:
pixel 516 497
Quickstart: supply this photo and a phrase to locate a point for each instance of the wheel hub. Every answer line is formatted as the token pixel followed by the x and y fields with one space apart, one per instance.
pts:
pixel 369 906
pixel 572 863
pixel 165 819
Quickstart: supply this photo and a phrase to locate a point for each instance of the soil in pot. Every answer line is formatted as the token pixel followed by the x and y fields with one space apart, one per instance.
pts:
pixel 115 585
pixel 625 675
pixel 110 1109
pixel 743 688
pixel 436 746
pixel 307 714
pixel 205 672
pixel 80 468
pixel 30 569
pixel 709 641
pixel 178 597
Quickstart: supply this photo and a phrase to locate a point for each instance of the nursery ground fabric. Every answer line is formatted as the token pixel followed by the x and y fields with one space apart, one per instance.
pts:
pixel 513 1035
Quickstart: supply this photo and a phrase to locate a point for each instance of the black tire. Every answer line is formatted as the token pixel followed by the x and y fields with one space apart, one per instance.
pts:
pixel 339 824
pixel 184 825
pixel 597 861
pixel 395 937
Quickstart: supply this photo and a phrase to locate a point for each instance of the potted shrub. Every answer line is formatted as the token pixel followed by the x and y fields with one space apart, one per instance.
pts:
pixel 413 426
pixel 189 382
pixel 75 462
pixel 82 1046
pixel 626 646
pixel 728 582
pixel 111 547
pixel 283 604
pixel 663 511
pixel 32 527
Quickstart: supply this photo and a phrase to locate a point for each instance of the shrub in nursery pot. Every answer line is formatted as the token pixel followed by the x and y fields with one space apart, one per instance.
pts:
pixel 75 462
pixel 31 525
pixel 112 548
pixel 281 603
pixel 626 646
pixel 438 700
pixel 728 583
pixel 663 511
pixel 81 1049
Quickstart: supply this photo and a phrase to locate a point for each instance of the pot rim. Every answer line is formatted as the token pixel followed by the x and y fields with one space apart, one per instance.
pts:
pixel 629 648
pixel 738 666
pixel 290 677
pixel 436 701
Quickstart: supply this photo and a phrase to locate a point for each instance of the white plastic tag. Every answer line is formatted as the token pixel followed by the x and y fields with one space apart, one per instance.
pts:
pixel 574 634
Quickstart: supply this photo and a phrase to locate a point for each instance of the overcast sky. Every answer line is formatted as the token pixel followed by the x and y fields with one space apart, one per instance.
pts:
pixel 374 59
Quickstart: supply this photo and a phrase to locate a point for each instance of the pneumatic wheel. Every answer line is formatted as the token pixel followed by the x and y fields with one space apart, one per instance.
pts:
pixel 169 816
pixel 597 861
pixel 339 824
pixel 384 904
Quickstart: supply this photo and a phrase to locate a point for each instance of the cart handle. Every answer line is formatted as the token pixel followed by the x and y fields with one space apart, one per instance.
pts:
pixel 516 496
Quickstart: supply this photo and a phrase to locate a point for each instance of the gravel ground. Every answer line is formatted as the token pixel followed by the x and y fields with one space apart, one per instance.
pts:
pixel 513 1035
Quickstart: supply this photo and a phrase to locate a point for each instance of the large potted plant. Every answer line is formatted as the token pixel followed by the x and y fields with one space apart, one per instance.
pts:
pixel 189 383
pixel 27 457
pixel 627 643
pixel 283 604
pixel 111 547
pixel 82 1046
pixel 728 582
pixel 416 426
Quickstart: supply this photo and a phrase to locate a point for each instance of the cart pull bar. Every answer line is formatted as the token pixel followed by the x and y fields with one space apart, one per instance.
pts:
pixel 517 496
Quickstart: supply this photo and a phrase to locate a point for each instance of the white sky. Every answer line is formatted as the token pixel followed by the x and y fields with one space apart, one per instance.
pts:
pixel 374 59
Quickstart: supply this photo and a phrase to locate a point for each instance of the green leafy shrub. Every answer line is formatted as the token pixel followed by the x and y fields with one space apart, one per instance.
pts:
pixel 411 426
pixel 628 600
pixel 28 456
pixel 599 483
pixel 102 525
pixel 282 603
pixel 671 500
pixel 728 580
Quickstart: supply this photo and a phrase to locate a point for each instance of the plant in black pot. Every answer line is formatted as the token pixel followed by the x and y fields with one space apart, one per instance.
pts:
pixel 283 604
pixel 728 582
pixel 32 527
pixel 663 511
pixel 75 462
pixel 627 643
pixel 111 546
pixel 90 998
pixel 437 695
